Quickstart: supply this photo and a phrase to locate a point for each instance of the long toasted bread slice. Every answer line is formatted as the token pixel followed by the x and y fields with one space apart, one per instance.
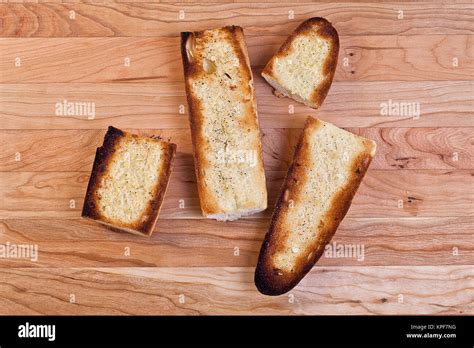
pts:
pixel 304 66
pixel 224 124
pixel 328 166
pixel 128 181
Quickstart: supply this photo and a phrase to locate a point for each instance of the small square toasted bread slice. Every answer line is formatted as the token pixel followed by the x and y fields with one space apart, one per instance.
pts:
pixel 304 66
pixel 224 123
pixel 327 168
pixel 128 181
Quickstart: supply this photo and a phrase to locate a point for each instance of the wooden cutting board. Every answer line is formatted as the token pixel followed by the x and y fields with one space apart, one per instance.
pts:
pixel 413 214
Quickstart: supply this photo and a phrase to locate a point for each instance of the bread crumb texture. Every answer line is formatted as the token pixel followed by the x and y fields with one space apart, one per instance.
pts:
pixel 301 71
pixel 126 190
pixel 228 136
pixel 328 170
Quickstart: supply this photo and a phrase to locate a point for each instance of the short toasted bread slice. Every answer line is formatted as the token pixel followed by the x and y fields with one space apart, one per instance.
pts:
pixel 224 124
pixel 328 166
pixel 304 66
pixel 128 181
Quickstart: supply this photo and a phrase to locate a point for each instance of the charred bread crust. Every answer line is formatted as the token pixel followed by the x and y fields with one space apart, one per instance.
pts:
pixel 145 224
pixel 270 281
pixel 234 35
pixel 266 281
pixel 150 215
pixel 325 30
pixel 208 204
pixel 103 156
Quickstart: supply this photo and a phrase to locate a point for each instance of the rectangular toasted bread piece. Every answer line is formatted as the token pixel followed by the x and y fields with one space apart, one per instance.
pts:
pixel 328 166
pixel 224 123
pixel 128 181
pixel 304 66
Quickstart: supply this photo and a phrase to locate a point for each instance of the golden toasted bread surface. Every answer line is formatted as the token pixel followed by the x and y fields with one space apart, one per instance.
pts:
pixel 328 166
pixel 304 66
pixel 128 181
pixel 224 123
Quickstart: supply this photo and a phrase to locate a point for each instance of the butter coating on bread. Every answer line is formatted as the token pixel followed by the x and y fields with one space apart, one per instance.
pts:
pixel 328 166
pixel 128 181
pixel 224 123
pixel 304 66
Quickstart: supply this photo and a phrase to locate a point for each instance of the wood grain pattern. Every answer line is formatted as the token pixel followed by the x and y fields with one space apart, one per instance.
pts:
pixel 383 193
pixel 208 243
pixel 157 105
pixel 369 58
pixel 52 19
pixel 326 290
pixel 414 212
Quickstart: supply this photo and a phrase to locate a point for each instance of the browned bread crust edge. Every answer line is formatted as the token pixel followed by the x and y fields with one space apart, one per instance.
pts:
pixel 266 281
pixel 208 205
pixel 325 30
pixel 146 223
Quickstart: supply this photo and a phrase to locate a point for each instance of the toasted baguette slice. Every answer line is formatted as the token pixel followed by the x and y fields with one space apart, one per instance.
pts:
pixel 128 181
pixel 224 125
pixel 304 66
pixel 328 166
